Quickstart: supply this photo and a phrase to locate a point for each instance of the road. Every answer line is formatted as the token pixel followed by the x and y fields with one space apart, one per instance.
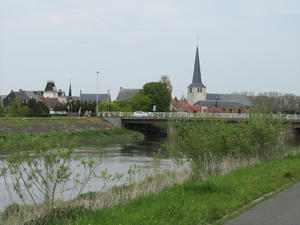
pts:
pixel 281 209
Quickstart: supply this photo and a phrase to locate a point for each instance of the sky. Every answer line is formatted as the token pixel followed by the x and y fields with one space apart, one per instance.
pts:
pixel 243 45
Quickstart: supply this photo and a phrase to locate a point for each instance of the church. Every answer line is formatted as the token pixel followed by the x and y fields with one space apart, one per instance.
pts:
pixel 225 103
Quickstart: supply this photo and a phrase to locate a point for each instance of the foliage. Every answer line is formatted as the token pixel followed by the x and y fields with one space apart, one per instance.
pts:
pixel 141 102
pixel 16 110
pixel 75 106
pixel 125 105
pixel 200 201
pixel 166 81
pixel 201 141
pixel 109 106
pixel 261 135
pixel 154 93
pixel 274 102
pixel 210 139
pixel 2 109
pixel 36 106
pixel 42 174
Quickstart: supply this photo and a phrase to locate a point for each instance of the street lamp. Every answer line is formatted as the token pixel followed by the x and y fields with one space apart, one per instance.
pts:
pixel 97 95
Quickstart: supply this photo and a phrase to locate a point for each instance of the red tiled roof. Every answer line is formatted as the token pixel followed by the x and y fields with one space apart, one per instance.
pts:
pixel 185 106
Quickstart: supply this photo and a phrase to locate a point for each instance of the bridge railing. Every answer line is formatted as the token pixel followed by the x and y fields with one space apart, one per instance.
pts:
pixel 190 115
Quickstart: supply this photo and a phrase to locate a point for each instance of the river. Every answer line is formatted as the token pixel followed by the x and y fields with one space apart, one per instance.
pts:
pixel 117 157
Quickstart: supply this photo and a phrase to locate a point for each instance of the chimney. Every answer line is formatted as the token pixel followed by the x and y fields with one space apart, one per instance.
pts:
pixel 20 90
pixel 120 87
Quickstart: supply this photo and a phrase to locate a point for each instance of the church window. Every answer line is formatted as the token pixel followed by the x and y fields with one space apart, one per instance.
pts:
pixel 190 90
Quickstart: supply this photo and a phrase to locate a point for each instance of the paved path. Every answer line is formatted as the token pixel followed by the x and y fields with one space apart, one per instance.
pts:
pixel 281 209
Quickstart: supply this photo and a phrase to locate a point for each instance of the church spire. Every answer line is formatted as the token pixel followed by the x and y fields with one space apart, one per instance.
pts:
pixel 196 90
pixel 70 93
pixel 197 73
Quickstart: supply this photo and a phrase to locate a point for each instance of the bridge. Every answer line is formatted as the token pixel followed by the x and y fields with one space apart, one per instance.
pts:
pixel 122 119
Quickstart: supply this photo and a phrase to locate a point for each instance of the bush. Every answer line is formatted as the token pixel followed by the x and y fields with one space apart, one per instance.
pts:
pixel 203 141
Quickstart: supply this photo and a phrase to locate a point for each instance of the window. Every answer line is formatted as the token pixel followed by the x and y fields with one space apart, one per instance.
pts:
pixel 190 90
pixel 230 110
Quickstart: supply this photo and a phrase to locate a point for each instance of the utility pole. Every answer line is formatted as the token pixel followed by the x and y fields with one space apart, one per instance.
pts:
pixel 97 95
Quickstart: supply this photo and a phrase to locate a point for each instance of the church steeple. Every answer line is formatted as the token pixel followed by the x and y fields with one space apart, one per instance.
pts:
pixel 70 93
pixel 196 90
pixel 197 82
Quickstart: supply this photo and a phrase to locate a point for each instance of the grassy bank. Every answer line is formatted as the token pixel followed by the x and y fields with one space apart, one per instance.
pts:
pixel 23 140
pixel 52 120
pixel 201 202
pixel 175 198
pixel 19 142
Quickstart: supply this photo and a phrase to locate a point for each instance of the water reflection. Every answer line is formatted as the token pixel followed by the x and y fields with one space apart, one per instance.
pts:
pixel 117 157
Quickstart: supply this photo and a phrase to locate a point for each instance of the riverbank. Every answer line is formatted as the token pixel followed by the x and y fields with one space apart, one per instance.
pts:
pixel 53 124
pixel 15 134
pixel 174 198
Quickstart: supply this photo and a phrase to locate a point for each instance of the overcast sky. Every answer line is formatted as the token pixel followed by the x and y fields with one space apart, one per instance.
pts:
pixel 244 45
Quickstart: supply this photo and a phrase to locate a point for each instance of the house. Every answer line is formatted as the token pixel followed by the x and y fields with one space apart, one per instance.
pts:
pixel 93 97
pixel 228 103
pixel 50 102
pixel 126 93
pixel 50 96
pixel 22 95
pixel 185 107
pixel 52 92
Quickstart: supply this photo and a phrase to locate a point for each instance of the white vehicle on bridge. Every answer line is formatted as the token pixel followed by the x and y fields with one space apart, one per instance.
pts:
pixel 140 114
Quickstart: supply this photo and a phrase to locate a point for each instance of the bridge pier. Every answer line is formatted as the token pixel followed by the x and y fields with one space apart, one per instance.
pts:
pixel 293 137
pixel 116 121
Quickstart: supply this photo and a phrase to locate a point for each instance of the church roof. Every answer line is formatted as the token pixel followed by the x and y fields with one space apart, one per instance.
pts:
pixel 225 100
pixel 197 82
pixel 93 97
pixel 126 93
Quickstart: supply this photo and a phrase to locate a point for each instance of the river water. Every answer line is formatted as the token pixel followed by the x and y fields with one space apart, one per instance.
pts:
pixel 117 157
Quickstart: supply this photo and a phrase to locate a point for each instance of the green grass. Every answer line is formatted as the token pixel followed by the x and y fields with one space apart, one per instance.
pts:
pixel 201 202
pixel 22 141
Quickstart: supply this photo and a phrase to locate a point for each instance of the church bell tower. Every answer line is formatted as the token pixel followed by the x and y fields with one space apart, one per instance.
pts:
pixel 196 91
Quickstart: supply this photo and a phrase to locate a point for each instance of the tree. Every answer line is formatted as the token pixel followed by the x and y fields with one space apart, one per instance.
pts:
pixel 166 80
pixel 109 106
pixel 2 109
pixel 183 98
pixel 141 102
pixel 44 173
pixel 273 102
pixel 159 95
pixel 36 106
pixel 125 105
pixel 15 109
pixel 203 142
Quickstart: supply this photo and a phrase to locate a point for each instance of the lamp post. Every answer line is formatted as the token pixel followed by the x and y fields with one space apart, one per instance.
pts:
pixel 97 95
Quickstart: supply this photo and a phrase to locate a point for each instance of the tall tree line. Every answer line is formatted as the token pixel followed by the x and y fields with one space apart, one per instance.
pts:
pixel 274 102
